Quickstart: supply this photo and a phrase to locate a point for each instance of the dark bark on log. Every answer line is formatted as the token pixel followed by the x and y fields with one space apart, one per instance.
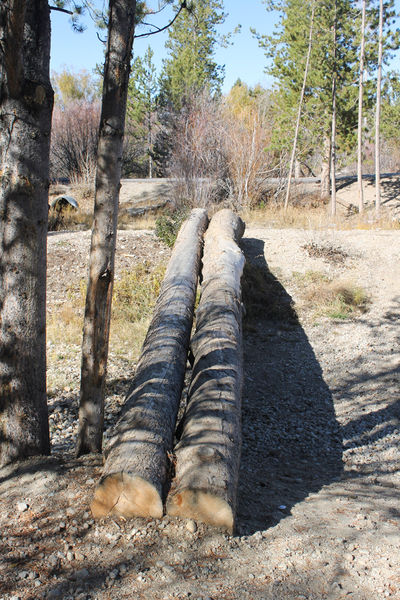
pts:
pixel 102 250
pixel 26 102
pixel 137 462
pixel 208 454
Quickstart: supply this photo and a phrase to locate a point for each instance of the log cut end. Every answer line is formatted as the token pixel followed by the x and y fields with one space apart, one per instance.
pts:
pixel 201 506
pixel 127 496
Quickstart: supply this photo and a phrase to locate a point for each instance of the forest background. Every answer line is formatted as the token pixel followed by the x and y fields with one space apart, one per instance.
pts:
pixel 193 123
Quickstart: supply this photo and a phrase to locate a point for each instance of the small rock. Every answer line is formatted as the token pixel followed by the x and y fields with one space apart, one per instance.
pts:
pixel 82 574
pixel 70 556
pixel 113 574
pixel 52 560
pixel 22 506
pixel 191 526
pixel 23 574
pixel 33 575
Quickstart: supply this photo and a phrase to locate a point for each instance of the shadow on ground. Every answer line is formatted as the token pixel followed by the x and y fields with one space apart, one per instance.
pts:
pixel 291 439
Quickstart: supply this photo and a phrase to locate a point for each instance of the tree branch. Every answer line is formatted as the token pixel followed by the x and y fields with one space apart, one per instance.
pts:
pixel 182 6
pixel 63 10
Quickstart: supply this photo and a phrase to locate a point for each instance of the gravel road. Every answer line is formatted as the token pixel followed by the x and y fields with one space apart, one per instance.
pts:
pixel 318 509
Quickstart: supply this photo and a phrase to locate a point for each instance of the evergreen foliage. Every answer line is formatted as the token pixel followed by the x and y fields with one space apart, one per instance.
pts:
pixel 190 66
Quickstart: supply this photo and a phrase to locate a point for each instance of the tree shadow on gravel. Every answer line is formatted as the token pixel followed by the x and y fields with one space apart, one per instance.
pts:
pixel 291 440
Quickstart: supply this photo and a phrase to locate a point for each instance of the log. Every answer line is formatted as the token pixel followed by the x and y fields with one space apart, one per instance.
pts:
pixel 208 454
pixel 136 466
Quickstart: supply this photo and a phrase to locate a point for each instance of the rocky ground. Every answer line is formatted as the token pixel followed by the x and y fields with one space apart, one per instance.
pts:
pixel 318 513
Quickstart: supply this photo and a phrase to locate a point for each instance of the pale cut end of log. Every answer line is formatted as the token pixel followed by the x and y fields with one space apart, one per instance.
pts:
pixel 128 496
pixel 201 506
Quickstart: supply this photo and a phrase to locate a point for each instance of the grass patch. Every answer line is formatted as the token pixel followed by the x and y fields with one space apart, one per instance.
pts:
pixel 329 298
pixel 317 218
pixel 134 297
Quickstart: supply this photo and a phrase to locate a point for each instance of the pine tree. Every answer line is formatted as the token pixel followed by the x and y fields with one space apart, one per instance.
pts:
pixel 142 102
pixel 190 66
pixel 332 57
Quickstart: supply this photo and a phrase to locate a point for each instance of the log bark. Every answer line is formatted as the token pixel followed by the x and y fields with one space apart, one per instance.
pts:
pixel 208 453
pixel 137 462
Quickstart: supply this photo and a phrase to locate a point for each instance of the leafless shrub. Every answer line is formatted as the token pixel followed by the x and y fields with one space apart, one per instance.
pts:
pixel 247 136
pixel 74 140
pixel 197 159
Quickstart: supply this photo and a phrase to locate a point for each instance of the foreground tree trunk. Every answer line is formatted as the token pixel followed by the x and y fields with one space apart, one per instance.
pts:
pixel 102 251
pixel 208 454
pixel 333 142
pixel 26 102
pixel 378 115
pixel 136 469
pixel 360 111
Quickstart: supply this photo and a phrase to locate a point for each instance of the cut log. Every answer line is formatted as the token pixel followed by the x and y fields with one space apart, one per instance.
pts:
pixel 136 466
pixel 208 453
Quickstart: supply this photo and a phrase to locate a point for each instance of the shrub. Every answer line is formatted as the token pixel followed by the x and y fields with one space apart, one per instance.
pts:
pixel 168 226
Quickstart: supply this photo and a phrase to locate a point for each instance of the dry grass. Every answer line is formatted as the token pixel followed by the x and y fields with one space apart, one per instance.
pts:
pixel 135 294
pixel 316 218
pixel 325 297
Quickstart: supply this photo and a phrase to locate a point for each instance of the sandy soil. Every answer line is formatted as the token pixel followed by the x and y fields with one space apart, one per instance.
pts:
pixel 318 514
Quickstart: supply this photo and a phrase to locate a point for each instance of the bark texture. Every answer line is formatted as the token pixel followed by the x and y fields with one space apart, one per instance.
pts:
pixel 208 454
pixel 137 462
pixel 26 102
pixel 102 251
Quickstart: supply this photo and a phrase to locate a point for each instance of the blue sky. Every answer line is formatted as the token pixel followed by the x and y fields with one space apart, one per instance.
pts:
pixel 243 59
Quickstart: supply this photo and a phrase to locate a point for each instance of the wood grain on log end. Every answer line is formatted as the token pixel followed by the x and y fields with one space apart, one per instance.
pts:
pixel 201 506
pixel 127 496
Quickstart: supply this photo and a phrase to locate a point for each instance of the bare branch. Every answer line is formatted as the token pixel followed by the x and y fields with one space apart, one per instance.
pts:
pixel 182 6
pixel 63 10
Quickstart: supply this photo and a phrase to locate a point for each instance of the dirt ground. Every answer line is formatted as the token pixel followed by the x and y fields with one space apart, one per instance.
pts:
pixel 318 513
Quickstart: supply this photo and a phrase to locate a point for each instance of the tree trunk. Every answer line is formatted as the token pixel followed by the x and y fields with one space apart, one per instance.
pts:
pixel 26 102
pixel 360 112
pixel 378 115
pixel 303 89
pixel 137 464
pixel 297 169
pixel 208 454
pixel 333 143
pixel 102 251
pixel 326 168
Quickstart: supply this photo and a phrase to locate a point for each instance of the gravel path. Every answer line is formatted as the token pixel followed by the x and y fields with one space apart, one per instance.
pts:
pixel 318 511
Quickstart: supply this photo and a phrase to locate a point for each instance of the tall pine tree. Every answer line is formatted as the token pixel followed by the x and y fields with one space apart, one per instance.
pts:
pixel 333 60
pixel 190 66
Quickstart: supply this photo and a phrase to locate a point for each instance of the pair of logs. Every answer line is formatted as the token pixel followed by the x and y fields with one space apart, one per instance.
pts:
pixel 207 456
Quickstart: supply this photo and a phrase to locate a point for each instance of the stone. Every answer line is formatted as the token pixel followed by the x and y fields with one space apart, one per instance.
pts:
pixel 23 574
pixel 191 526
pixel 82 574
pixel 22 506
